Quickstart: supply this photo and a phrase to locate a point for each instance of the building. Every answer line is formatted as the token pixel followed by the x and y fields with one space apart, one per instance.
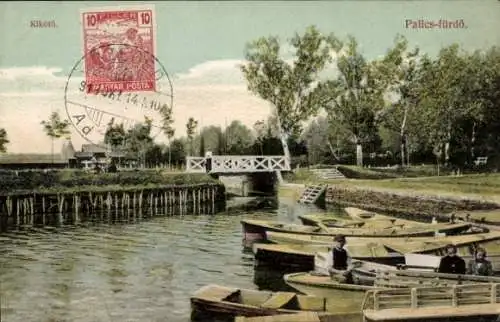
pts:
pixel 89 155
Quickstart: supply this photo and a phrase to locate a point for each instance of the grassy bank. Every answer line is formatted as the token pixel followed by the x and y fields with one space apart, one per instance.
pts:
pixel 475 187
pixel 355 172
pixel 76 180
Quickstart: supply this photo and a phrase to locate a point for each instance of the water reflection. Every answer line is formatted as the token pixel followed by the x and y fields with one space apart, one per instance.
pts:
pixel 126 271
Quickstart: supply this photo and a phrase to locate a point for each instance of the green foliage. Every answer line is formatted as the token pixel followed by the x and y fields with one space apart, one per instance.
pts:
pixel 352 99
pixel 81 180
pixel 3 141
pixel 55 127
pixel 290 88
pixel 115 135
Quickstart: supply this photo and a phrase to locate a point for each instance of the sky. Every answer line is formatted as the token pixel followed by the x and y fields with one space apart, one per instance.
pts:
pixel 201 45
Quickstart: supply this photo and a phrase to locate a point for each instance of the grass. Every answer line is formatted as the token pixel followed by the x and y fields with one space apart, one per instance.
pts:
pixel 77 180
pixel 479 184
pixel 419 180
pixel 356 172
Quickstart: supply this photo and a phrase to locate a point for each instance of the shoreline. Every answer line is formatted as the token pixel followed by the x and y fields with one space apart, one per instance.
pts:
pixel 409 204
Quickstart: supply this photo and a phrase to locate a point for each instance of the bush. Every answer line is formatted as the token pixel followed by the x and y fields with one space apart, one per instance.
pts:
pixel 33 180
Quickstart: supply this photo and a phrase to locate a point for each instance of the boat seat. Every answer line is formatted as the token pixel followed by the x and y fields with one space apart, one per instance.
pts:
pixel 278 300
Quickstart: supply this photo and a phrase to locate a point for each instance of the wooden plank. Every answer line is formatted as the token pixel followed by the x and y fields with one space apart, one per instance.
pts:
pixel 414 300
pixel 432 312
pixel 296 317
pixel 278 300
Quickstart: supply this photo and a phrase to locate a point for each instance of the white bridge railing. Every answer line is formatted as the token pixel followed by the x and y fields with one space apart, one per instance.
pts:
pixel 238 164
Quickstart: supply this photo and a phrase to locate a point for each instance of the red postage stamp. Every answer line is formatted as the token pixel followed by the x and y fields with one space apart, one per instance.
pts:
pixel 119 49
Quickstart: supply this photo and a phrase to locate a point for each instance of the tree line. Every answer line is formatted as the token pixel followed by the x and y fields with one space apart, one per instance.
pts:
pixel 442 109
pixel 333 104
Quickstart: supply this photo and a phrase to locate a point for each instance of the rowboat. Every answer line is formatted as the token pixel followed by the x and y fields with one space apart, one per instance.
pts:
pixel 307 316
pixel 375 221
pixel 408 245
pixel 254 229
pixel 489 217
pixel 231 302
pixel 302 257
pixel 489 240
pixel 325 286
pixel 329 221
pixel 360 214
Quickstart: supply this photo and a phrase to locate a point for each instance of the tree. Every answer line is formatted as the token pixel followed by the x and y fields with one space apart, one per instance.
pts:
pixel 289 88
pixel 442 98
pixel 55 128
pixel 352 98
pixel 115 137
pixel 397 73
pixel 138 140
pixel 167 127
pixel 3 141
pixel 202 145
pixel 324 138
pixel 238 138
pixel 178 153
pixel 191 126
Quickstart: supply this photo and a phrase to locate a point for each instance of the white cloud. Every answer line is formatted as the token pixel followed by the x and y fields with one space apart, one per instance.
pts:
pixel 28 72
pixel 213 92
pixel 213 72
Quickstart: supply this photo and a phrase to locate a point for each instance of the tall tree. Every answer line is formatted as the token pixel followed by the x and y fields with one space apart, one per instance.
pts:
pixel 3 141
pixel 352 98
pixel 442 97
pixel 167 128
pixel 397 74
pixel 289 87
pixel 55 128
pixel 191 126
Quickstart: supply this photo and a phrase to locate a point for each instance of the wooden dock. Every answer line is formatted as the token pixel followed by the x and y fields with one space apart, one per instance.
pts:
pixel 474 302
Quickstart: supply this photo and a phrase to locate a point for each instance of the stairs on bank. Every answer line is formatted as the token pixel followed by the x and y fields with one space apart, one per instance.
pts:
pixel 312 194
pixel 327 174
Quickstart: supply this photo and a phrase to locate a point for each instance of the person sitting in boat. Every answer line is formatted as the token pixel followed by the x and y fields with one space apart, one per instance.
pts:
pixel 452 263
pixel 340 269
pixel 480 265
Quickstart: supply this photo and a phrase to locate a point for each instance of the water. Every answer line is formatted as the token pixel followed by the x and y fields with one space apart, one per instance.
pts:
pixel 145 271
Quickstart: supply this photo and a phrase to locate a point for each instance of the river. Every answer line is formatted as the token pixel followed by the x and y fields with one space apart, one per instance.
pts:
pixel 144 271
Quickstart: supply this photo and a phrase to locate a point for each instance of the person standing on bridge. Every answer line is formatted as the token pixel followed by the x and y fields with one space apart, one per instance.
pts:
pixel 208 161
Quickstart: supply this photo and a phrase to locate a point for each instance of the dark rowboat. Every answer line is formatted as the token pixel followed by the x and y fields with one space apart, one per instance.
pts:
pixel 226 302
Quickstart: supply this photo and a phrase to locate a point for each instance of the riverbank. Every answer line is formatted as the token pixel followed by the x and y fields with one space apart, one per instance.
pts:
pixel 39 198
pixel 417 197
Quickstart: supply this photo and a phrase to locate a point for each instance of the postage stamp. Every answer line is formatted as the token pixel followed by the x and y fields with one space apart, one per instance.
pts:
pixel 118 80
pixel 119 46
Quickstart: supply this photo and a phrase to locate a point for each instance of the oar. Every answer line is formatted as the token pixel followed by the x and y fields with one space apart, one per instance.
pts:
pixel 322 226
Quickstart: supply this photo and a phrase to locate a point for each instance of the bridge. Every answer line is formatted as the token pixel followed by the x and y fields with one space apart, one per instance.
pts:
pixel 238 164
pixel 259 173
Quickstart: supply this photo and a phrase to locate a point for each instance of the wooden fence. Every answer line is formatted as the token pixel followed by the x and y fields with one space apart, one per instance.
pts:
pixel 432 302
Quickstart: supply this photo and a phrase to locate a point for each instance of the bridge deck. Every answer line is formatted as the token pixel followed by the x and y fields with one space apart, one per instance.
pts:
pixel 234 164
